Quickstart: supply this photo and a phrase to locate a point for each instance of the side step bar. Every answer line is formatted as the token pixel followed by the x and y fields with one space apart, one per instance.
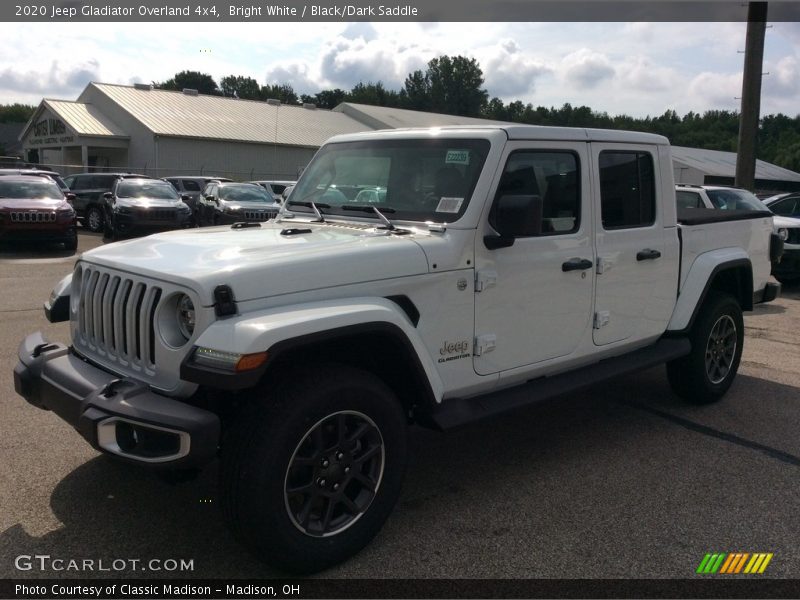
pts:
pixel 460 411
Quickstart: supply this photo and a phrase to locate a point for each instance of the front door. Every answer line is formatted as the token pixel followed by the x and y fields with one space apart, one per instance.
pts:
pixel 535 298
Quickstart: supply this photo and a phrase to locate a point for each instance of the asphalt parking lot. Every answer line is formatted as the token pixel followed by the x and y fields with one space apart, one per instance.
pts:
pixel 622 480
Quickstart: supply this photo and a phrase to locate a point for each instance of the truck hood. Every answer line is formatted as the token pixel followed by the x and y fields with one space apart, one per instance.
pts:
pixel 274 259
pixel 148 202
pixel 38 204
pixel 250 205
pixel 785 222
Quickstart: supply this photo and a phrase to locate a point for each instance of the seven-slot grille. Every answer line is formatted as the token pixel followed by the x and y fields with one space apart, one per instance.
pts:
pixel 116 316
pixel 34 217
pixel 259 215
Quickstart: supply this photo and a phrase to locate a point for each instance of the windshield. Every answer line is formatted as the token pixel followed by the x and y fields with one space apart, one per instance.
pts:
pixel 734 200
pixel 244 192
pixel 33 189
pixel 415 180
pixel 157 190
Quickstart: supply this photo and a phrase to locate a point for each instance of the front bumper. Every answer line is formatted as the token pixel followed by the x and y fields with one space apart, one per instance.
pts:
pixel 789 265
pixel 56 233
pixel 127 222
pixel 117 416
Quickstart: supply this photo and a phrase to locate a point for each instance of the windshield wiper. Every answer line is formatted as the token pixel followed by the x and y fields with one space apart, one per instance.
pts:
pixel 313 206
pixel 371 208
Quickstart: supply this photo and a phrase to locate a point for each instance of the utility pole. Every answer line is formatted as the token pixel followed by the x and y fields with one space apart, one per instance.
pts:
pixel 751 95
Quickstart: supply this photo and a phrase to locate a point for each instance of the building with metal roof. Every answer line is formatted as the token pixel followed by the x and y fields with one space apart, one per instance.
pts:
pixel 159 132
pixel 715 167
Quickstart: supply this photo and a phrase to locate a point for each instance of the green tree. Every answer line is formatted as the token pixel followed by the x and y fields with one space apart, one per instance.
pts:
pixel 283 92
pixel 202 82
pixel 453 86
pixel 245 88
pixel 374 94
pixel 16 113
pixel 326 98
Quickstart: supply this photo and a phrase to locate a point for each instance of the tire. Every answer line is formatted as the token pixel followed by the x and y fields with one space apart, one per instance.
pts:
pixel 788 279
pixel 71 245
pixel 277 445
pixel 94 219
pixel 706 373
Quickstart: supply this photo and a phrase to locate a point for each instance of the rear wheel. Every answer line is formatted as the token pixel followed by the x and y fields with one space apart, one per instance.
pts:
pixel 309 475
pixel 94 219
pixel 706 373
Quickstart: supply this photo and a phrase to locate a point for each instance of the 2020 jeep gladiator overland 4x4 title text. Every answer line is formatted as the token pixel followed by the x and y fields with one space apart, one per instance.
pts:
pixel 498 266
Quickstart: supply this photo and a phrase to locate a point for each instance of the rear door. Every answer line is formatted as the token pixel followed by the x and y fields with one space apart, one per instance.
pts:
pixel 635 270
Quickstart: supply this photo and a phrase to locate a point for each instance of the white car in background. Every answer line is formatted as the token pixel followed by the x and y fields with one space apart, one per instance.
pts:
pixel 276 188
pixel 728 198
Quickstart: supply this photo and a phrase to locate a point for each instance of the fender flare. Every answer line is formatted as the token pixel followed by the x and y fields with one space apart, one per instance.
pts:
pixel 698 283
pixel 277 330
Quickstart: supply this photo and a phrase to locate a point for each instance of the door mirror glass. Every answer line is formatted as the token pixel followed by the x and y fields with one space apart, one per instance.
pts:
pixel 515 216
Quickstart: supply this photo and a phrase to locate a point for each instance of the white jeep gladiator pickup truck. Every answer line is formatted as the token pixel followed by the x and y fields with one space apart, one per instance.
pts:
pixel 481 269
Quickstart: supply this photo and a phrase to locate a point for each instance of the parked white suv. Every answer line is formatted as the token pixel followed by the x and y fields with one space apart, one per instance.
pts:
pixel 787 269
pixel 502 265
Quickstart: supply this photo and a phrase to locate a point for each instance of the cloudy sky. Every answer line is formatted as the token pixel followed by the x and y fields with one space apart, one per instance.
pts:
pixel 633 68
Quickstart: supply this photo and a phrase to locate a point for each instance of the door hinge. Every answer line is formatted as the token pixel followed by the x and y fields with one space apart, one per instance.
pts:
pixel 604 264
pixel 601 318
pixel 484 344
pixel 485 279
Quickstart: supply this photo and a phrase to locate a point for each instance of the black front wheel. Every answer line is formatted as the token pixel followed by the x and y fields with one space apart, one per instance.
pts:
pixel 312 470
pixel 706 373
pixel 94 219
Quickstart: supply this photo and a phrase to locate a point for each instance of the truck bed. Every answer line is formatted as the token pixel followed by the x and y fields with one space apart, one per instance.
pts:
pixel 704 230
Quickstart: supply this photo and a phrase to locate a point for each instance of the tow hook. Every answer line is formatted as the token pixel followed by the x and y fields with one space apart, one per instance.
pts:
pixel 112 386
pixel 45 347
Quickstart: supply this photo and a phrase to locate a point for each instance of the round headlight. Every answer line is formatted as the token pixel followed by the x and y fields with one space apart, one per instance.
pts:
pixel 185 315
pixel 783 234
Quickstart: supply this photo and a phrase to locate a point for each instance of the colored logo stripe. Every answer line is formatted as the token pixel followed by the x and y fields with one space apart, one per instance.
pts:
pixel 734 563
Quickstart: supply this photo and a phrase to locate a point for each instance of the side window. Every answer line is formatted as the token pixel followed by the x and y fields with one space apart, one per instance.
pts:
pixel 627 189
pixel 78 183
pixel 784 207
pixel 553 176
pixel 190 186
pixel 688 200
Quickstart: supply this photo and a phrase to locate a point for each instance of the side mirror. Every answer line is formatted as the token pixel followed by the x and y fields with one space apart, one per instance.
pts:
pixel 108 195
pixel 514 216
pixel 70 197
pixel 211 198
pixel 286 192
pixel 186 197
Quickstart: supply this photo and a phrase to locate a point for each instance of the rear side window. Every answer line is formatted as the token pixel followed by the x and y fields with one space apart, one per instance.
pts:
pixel 190 185
pixel 554 177
pixel 102 182
pixel 688 200
pixel 627 189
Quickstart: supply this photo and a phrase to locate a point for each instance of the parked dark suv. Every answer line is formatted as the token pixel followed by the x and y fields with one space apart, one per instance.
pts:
pixel 192 186
pixel 33 208
pixel 89 189
pixel 143 205
pixel 225 203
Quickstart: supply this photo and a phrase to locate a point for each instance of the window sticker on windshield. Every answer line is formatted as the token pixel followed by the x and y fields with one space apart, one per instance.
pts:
pixel 457 157
pixel 449 205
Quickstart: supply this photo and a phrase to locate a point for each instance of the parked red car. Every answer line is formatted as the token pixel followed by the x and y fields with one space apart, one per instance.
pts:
pixel 33 208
